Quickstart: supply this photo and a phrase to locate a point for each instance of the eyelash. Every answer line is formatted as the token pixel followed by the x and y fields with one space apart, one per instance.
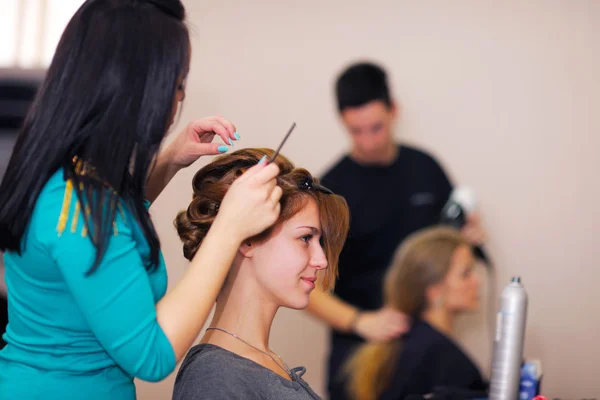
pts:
pixel 306 238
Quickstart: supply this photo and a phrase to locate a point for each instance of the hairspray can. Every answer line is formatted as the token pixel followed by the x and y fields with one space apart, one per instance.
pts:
pixel 508 343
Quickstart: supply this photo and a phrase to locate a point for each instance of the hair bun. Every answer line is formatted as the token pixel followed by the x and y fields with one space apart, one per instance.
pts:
pixel 193 224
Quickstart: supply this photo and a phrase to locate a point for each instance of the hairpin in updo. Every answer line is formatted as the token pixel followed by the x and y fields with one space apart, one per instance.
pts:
pixel 308 183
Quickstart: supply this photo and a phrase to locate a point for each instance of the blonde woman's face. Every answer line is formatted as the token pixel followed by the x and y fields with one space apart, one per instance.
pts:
pixel 462 284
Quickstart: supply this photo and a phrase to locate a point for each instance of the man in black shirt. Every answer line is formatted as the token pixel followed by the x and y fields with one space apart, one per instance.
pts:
pixel 392 191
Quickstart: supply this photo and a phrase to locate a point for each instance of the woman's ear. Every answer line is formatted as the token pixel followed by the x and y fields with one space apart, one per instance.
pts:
pixel 247 249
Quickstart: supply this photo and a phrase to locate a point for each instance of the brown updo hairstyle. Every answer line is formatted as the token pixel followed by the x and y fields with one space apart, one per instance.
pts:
pixel 212 182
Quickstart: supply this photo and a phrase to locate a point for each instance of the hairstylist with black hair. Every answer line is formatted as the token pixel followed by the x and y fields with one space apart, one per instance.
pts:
pixel 85 275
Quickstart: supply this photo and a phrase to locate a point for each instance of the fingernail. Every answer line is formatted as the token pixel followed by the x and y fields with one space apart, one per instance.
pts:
pixel 230 142
pixel 262 159
pixel 237 135
pixel 222 149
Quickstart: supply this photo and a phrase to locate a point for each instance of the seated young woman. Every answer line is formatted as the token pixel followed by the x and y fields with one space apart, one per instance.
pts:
pixel 432 279
pixel 277 268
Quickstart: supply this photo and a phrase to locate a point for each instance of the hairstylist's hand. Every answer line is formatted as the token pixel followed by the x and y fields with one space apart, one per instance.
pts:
pixel 381 325
pixel 251 204
pixel 196 140
pixel 473 230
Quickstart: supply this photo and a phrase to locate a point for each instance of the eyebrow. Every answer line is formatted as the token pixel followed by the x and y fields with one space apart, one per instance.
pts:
pixel 312 228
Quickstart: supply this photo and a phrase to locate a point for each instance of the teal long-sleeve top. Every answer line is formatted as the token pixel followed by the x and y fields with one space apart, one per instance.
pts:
pixel 70 336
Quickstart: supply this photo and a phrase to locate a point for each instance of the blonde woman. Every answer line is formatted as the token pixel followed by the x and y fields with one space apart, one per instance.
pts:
pixel 432 279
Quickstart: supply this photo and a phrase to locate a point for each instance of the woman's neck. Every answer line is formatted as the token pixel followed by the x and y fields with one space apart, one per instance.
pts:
pixel 242 310
pixel 244 316
pixel 441 319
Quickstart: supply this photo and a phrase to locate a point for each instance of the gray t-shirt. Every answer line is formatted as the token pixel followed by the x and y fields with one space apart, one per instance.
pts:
pixel 211 372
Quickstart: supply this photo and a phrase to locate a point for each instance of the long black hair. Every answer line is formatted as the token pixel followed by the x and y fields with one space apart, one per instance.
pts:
pixel 107 98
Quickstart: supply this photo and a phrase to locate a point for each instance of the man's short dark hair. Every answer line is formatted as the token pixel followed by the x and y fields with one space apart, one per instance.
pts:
pixel 360 84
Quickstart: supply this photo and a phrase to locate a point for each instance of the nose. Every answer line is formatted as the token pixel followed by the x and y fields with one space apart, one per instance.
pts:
pixel 318 259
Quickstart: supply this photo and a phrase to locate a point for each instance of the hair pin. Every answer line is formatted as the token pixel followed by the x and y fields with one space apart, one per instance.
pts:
pixel 308 183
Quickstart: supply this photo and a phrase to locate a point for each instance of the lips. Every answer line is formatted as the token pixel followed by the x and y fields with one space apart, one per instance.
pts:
pixel 310 281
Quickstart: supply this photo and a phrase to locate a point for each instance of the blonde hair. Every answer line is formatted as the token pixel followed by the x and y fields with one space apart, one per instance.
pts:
pixel 423 260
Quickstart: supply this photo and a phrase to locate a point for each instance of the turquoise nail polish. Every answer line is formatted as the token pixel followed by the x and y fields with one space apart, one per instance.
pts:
pixel 237 135
pixel 230 142
pixel 222 149
pixel 262 159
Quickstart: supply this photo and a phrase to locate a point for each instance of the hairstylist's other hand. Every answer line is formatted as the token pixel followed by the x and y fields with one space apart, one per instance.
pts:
pixel 251 204
pixel 382 325
pixel 196 140
pixel 473 230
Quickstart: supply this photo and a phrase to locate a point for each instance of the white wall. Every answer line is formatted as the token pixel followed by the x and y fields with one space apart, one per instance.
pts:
pixel 506 94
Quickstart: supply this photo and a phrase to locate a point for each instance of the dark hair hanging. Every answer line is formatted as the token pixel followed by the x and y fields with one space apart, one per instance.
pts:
pixel 107 98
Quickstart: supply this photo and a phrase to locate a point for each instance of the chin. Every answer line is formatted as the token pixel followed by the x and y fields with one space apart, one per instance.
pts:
pixel 374 152
pixel 467 308
pixel 298 302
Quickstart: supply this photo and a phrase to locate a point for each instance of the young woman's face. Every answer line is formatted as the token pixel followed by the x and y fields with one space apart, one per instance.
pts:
pixel 461 285
pixel 179 97
pixel 180 91
pixel 287 263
